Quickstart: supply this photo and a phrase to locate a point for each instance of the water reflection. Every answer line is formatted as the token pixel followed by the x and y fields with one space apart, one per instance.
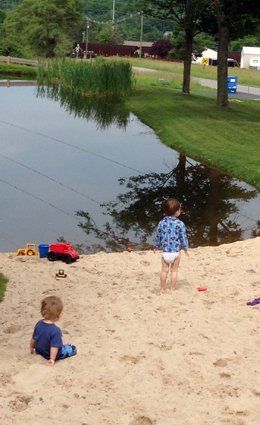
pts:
pixel 104 113
pixel 210 201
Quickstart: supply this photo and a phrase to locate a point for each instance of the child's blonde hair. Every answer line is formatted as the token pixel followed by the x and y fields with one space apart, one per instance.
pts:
pixel 51 308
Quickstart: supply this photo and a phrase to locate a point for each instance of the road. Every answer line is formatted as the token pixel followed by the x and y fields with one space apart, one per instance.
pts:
pixel 243 91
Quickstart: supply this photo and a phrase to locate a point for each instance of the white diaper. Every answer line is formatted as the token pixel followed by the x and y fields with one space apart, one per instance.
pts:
pixel 170 257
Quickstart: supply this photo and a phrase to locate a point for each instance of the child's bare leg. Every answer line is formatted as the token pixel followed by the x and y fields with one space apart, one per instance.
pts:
pixel 165 269
pixel 174 272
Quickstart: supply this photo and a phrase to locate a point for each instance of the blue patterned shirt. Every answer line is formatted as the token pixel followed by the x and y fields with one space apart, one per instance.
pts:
pixel 171 235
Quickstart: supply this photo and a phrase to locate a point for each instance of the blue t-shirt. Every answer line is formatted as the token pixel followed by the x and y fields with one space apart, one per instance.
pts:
pixel 47 335
pixel 171 235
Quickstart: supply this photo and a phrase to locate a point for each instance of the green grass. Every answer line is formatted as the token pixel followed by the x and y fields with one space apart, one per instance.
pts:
pixel 226 139
pixel 3 282
pixel 14 70
pixel 169 80
pixel 249 77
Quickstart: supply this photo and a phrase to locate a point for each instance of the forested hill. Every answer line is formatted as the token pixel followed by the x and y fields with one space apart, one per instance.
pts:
pixel 8 4
pixel 101 11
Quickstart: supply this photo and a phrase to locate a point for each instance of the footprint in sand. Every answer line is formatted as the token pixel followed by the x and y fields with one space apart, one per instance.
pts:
pixel 225 375
pixel 146 263
pixel 221 362
pixel 49 291
pixel 165 347
pixel 131 359
pixel 20 403
pixel 142 420
pixel 5 378
pixel 12 329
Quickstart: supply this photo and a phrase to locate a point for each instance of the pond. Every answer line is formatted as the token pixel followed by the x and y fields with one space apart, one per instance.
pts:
pixel 77 170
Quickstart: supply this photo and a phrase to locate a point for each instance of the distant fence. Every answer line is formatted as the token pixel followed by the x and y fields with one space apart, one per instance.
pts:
pixel 21 61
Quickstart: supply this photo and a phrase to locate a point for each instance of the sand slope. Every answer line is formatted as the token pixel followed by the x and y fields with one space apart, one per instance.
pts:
pixel 186 358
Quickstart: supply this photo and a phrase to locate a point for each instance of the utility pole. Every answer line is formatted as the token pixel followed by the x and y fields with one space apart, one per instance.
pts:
pixel 141 34
pixel 113 12
pixel 87 37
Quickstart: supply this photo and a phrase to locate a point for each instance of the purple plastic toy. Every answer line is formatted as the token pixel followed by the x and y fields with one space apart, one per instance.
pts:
pixel 254 302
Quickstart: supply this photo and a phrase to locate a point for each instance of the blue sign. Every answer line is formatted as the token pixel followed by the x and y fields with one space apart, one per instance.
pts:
pixel 232 84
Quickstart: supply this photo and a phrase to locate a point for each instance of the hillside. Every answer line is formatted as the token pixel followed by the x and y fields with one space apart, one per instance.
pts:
pixel 8 4
pixel 101 11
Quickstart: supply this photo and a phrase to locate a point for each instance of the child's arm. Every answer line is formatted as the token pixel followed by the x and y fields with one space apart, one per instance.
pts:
pixel 32 345
pixel 53 355
pixel 157 241
pixel 184 239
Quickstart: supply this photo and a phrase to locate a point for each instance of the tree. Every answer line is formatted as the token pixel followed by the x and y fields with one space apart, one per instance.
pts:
pixel 201 41
pixel 234 18
pixel 161 48
pixel 129 20
pixel 188 15
pixel 109 34
pixel 237 44
pixel 44 26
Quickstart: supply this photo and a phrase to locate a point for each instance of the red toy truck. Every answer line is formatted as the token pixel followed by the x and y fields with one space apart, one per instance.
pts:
pixel 63 251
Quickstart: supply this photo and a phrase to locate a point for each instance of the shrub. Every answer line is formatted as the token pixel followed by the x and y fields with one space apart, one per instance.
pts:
pixel 161 48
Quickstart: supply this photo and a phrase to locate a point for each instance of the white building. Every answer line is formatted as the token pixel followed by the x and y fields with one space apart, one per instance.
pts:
pixel 210 57
pixel 250 57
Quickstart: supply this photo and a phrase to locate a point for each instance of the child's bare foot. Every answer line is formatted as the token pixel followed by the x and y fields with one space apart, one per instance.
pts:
pixel 162 291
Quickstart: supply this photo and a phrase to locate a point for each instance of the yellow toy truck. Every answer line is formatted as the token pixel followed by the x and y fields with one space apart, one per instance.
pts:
pixel 30 249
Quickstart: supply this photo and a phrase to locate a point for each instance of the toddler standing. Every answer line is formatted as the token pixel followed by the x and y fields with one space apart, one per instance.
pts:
pixel 171 237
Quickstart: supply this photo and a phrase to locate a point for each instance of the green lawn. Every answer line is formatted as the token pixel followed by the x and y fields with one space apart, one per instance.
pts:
pixel 249 77
pixel 14 70
pixel 226 139
pixel 3 282
pixel 167 79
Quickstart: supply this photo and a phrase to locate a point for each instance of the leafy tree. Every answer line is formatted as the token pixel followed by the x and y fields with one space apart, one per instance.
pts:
pixel 109 34
pixel 101 11
pixel 247 40
pixel 234 18
pixel 188 14
pixel 11 49
pixel 201 41
pixel 8 4
pixel 161 48
pixel 2 16
pixel 45 26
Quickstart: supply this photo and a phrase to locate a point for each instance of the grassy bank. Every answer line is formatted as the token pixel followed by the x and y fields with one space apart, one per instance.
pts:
pixel 249 77
pixel 14 70
pixel 3 282
pixel 226 139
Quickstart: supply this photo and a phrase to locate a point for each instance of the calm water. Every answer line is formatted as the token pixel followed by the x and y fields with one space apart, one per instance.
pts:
pixel 95 175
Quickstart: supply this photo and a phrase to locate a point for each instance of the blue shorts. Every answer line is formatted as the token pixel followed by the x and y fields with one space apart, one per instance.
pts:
pixel 67 350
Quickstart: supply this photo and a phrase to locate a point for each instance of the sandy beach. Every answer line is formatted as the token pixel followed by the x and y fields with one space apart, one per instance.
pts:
pixel 182 358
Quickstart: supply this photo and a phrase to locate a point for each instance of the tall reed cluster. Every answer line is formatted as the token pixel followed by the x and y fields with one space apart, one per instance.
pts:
pixel 102 77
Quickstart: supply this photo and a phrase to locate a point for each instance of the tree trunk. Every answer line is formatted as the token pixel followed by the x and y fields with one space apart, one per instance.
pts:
pixel 223 39
pixel 187 61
